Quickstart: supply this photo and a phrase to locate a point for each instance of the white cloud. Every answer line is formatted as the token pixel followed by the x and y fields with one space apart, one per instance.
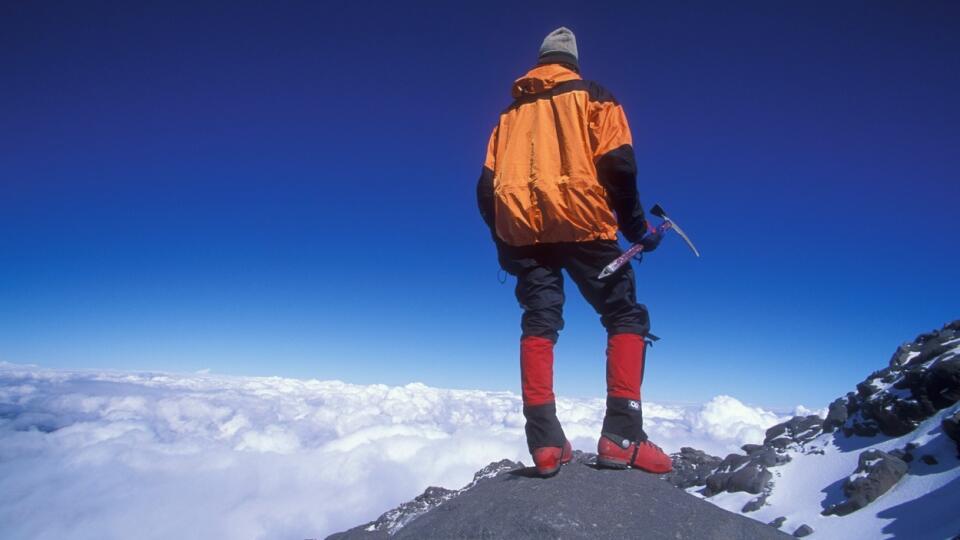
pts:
pixel 152 455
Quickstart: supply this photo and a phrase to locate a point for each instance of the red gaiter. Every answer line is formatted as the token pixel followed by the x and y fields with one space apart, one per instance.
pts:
pixel 536 370
pixel 625 365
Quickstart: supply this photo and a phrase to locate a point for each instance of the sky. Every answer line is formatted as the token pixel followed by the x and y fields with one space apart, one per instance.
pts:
pixel 288 188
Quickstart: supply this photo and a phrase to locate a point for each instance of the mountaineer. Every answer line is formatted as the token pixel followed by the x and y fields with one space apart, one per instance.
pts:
pixel 558 182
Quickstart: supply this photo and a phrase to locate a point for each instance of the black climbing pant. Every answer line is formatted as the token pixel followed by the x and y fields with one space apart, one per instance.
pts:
pixel 540 286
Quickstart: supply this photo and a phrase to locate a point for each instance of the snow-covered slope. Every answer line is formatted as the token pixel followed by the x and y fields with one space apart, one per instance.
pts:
pixel 925 503
pixel 885 462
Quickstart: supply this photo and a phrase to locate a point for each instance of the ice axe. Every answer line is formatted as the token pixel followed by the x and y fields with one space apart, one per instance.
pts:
pixel 667 225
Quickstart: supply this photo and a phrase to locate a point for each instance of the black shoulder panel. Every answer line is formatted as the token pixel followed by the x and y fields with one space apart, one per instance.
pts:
pixel 596 92
pixel 600 94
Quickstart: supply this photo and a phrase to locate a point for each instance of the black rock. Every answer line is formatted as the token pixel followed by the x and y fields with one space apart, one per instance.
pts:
pixel 928 459
pixel 900 356
pixel 775 431
pixel 803 530
pixel 752 478
pixel 716 483
pixel 778 522
pixel 768 457
pixel 925 367
pixel 864 428
pixel 876 473
pixel 943 383
pixel 836 416
pixel 951 426
pixel 691 468
pixel 931 349
pixel 799 429
pixel 580 502
pixel 741 473
pixel 865 389
pixel 755 504
pixel 732 462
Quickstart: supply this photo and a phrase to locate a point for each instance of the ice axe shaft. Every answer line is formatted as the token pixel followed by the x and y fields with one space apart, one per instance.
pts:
pixel 630 253
pixel 667 224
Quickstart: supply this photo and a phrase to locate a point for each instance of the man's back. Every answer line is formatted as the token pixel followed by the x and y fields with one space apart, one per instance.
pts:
pixel 559 161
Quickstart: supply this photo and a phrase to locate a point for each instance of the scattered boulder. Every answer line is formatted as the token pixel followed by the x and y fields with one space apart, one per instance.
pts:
pixel 798 430
pixel 768 457
pixel 928 459
pixel 943 383
pixel 755 504
pixel 803 530
pixel 691 468
pixel 752 478
pixel 923 377
pixel 778 522
pixel 876 473
pixel 836 415
pixel 951 426
pixel 903 454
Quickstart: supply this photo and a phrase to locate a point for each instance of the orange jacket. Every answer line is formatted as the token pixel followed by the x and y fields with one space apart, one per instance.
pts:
pixel 560 164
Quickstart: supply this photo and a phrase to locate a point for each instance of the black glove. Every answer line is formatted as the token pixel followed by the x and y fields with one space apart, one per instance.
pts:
pixel 633 229
pixel 651 241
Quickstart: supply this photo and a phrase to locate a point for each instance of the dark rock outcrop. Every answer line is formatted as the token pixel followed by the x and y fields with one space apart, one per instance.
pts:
pixel 951 426
pixel 876 473
pixel 755 504
pixel 803 530
pixel 749 478
pixel 798 430
pixel 580 502
pixel 836 415
pixel 691 468
pixel 923 377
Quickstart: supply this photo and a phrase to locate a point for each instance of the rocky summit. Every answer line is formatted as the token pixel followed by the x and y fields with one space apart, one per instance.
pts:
pixel 884 461
pixel 583 501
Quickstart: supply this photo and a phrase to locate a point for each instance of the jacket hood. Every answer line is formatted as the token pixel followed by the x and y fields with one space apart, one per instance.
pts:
pixel 542 79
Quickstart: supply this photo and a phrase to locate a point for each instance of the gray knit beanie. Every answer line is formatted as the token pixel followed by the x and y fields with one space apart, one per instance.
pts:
pixel 560 46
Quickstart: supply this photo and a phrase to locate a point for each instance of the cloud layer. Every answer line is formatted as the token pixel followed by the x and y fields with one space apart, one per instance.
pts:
pixel 153 455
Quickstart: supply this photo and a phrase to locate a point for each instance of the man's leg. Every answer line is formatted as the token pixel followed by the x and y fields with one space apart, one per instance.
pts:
pixel 540 293
pixel 626 321
pixel 627 324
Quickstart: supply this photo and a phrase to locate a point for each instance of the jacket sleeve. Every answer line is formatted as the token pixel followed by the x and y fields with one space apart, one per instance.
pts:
pixel 616 166
pixel 485 184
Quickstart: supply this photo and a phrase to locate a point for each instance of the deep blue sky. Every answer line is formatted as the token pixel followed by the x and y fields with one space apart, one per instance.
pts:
pixel 288 188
